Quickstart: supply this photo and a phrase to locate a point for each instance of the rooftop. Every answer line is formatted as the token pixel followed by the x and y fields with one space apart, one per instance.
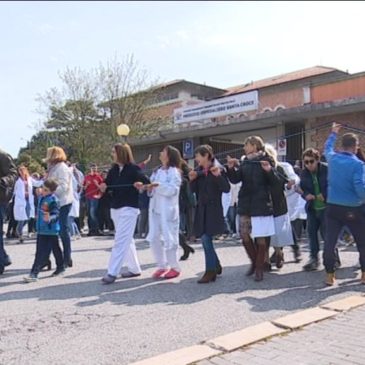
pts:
pixel 283 78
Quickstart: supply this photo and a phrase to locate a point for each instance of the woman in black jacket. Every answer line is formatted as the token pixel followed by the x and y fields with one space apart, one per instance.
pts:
pixel 123 181
pixel 254 200
pixel 208 182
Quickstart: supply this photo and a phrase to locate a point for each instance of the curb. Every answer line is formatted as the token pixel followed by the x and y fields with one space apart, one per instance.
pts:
pixel 253 334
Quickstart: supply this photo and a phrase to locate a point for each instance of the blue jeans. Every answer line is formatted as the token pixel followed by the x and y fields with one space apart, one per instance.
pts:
pixel 4 258
pixel 315 222
pixel 46 244
pixel 21 224
pixel 92 214
pixel 74 231
pixel 211 258
pixel 65 232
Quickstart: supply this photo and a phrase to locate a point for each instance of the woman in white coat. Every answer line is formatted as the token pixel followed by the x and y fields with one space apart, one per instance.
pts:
pixel 164 218
pixel 75 208
pixel 24 200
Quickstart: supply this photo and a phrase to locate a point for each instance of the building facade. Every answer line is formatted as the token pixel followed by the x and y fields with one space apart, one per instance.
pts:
pixel 296 109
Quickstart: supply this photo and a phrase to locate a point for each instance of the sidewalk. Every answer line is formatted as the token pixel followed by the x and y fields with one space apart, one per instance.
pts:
pixel 339 340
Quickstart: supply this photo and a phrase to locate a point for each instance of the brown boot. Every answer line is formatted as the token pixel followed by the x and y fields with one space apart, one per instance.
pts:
pixel 251 253
pixel 330 279
pixel 363 277
pixel 260 262
pixel 208 277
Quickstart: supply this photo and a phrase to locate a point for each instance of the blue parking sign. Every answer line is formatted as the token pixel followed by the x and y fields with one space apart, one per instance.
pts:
pixel 188 148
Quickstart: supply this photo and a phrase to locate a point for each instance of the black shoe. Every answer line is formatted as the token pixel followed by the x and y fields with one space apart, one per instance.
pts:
pixel 297 254
pixel 8 235
pixel 312 265
pixel 47 265
pixel 2 269
pixel 58 272
pixel 70 263
pixel 7 261
pixel 219 269
pixel 273 258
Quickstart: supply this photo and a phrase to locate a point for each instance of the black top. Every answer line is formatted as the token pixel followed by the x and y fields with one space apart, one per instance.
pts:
pixel 280 206
pixel 124 196
pixel 306 183
pixel 208 188
pixel 254 198
pixel 8 175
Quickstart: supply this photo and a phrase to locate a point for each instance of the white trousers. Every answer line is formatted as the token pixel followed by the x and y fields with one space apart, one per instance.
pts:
pixel 164 241
pixel 124 249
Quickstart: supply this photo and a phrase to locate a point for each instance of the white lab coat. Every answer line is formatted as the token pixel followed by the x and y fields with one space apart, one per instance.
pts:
pixel 296 204
pixel 75 208
pixel 20 201
pixel 164 217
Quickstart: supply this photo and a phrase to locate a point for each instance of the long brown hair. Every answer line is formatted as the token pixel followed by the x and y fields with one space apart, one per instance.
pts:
pixel 124 153
pixel 174 156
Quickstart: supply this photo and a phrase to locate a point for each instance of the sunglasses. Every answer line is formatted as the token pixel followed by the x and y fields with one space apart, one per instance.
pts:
pixel 307 162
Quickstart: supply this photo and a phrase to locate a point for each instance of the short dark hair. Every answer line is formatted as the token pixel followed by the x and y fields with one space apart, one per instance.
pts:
pixel 204 150
pixel 312 152
pixel 174 156
pixel 349 140
pixel 51 185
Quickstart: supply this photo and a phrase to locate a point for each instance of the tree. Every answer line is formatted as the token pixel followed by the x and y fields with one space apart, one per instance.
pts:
pixel 128 95
pixel 82 116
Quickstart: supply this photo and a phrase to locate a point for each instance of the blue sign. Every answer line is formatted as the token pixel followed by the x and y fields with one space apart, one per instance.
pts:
pixel 188 148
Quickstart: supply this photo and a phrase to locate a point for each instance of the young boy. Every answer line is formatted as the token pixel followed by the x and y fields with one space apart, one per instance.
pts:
pixel 48 228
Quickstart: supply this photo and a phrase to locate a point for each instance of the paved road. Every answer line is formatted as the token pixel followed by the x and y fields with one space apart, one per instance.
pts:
pixel 336 341
pixel 76 320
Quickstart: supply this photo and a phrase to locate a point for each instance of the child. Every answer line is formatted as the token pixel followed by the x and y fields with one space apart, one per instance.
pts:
pixel 48 228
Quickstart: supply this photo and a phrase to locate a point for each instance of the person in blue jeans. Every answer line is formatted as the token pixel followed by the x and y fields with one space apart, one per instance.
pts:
pixel 313 183
pixel 8 175
pixel 48 229
pixel 208 182
pixel 346 198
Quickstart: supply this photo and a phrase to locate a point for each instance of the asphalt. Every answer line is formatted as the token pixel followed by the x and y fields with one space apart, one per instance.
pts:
pixel 75 319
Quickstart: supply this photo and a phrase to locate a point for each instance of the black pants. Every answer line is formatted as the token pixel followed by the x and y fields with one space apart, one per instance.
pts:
pixel 336 217
pixel 31 225
pixel 46 244
pixel 142 222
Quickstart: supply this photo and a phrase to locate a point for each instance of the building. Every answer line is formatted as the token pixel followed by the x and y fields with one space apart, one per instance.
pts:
pixel 295 108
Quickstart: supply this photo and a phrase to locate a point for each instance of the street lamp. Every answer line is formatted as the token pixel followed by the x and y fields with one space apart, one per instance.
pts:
pixel 123 131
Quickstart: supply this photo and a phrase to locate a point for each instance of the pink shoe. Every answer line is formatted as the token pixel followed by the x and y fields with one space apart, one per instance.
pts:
pixel 171 274
pixel 158 273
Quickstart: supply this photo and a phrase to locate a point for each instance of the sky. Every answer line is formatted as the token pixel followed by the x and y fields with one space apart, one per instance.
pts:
pixel 222 44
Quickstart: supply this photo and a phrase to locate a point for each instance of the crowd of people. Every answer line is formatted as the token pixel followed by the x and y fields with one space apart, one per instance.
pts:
pixel 257 198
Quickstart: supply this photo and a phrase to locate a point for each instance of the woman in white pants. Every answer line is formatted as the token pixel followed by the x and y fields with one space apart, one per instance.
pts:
pixel 164 217
pixel 123 181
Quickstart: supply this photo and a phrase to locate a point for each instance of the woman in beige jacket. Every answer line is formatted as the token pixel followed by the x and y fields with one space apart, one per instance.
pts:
pixel 61 173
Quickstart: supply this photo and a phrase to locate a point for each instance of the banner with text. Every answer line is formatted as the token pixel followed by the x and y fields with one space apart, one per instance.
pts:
pixel 216 108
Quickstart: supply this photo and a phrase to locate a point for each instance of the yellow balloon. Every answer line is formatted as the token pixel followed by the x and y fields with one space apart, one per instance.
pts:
pixel 123 130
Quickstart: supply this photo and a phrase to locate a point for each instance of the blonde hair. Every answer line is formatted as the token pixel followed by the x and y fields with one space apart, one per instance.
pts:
pixel 271 151
pixel 55 154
